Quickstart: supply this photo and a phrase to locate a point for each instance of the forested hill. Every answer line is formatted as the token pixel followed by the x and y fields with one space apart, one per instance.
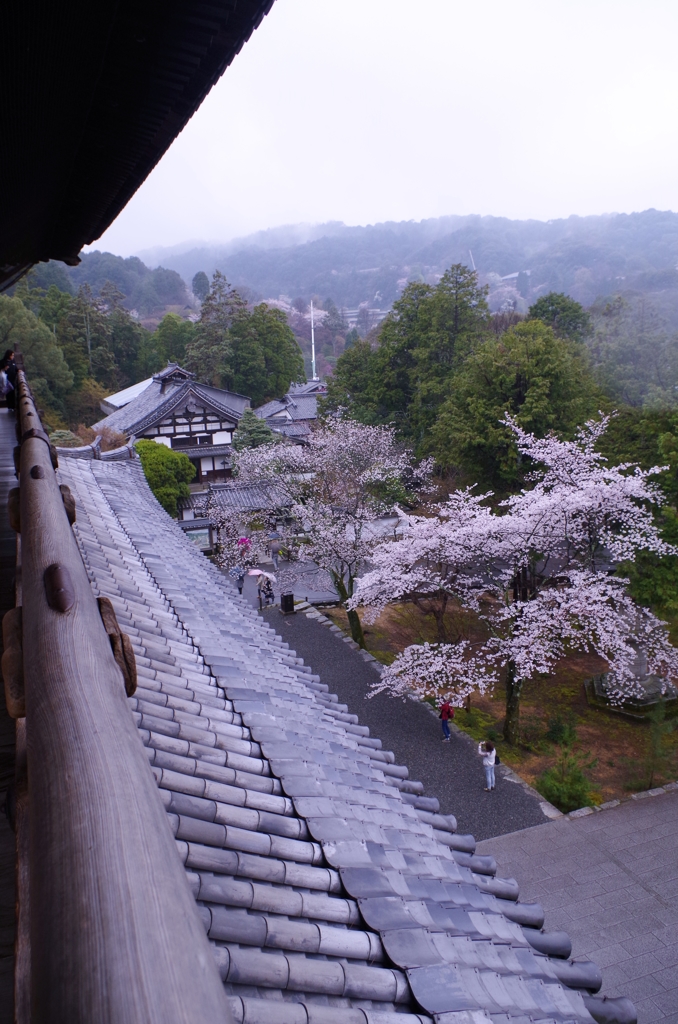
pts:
pixel 141 289
pixel 586 257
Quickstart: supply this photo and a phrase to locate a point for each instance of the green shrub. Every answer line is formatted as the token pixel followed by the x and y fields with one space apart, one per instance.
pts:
pixel 65 439
pixel 562 732
pixel 566 785
pixel 168 473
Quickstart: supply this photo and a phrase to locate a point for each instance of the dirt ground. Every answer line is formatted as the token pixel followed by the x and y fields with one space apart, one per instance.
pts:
pixel 620 748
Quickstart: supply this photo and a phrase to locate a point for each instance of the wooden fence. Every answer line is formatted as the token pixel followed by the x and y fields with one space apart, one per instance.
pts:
pixel 114 934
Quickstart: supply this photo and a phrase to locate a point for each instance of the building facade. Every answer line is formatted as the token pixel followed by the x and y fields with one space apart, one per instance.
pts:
pixel 186 416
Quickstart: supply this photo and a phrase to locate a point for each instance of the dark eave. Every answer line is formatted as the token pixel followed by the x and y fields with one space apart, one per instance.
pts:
pixel 92 96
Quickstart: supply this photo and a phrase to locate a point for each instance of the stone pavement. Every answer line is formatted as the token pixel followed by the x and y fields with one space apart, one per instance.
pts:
pixel 452 772
pixel 611 881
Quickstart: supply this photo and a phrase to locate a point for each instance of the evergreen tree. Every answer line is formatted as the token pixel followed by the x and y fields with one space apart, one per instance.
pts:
pixel 567 318
pixel 200 285
pixel 253 432
pixel 209 354
pixel 47 370
pixel 421 345
pixel 283 361
pixel 172 337
pixel 540 379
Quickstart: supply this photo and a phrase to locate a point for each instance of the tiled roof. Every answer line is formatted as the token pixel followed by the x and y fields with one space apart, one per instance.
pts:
pixel 298 407
pixel 159 400
pixel 332 890
pixel 195 450
pixel 248 497
pixel 311 387
pixel 287 429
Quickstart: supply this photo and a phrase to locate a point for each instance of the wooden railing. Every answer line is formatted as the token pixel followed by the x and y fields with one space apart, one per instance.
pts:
pixel 114 931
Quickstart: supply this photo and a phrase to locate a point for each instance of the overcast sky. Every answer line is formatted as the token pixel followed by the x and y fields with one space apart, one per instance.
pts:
pixel 371 110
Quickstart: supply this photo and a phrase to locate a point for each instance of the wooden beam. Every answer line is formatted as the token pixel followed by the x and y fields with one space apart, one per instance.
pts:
pixel 114 930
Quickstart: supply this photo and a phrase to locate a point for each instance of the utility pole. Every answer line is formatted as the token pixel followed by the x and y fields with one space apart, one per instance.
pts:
pixel 312 345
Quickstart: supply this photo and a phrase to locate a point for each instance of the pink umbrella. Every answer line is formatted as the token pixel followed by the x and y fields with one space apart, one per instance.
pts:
pixel 260 572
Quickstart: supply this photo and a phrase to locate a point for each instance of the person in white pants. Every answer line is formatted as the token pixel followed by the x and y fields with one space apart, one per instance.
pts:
pixel 489 756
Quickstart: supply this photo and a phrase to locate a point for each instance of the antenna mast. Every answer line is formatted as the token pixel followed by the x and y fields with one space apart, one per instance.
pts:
pixel 312 344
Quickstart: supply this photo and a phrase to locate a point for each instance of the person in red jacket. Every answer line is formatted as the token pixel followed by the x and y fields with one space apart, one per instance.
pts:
pixel 446 713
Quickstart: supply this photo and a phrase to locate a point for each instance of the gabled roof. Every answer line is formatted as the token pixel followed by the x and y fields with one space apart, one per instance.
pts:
pixel 173 373
pixel 166 394
pixel 292 406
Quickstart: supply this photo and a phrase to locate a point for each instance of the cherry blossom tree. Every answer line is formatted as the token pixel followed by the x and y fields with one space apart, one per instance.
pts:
pixel 540 563
pixel 442 671
pixel 436 559
pixel 338 486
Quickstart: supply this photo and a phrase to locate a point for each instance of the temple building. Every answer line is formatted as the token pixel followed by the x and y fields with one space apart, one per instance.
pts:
pixel 294 414
pixel 176 411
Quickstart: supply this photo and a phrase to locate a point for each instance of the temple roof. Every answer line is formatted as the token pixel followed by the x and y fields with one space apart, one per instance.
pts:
pixel 294 413
pixel 332 890
pixel 93 95
pixel 171 391
pixel 249 497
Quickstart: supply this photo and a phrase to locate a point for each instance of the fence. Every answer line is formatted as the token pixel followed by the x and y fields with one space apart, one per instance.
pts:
pixel 111 927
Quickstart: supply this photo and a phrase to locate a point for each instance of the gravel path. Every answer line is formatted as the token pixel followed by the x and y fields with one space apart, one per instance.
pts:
pixel 450 771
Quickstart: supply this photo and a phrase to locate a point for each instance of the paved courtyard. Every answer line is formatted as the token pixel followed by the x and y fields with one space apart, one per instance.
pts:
pixel 611 881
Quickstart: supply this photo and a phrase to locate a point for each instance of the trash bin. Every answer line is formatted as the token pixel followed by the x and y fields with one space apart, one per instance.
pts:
pixel 287 603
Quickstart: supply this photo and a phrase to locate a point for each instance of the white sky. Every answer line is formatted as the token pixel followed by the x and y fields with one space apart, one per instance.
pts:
pixel 371 110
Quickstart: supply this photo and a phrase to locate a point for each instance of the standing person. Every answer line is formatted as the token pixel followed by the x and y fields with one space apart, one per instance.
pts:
pixel 8 383
pixel 446 713
pixel 238 574
pixel 267 591
pixel 274 548
pixel 489 755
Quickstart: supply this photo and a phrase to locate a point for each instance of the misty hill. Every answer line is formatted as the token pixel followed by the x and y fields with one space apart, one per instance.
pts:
pixel 146 291
pixel 587 257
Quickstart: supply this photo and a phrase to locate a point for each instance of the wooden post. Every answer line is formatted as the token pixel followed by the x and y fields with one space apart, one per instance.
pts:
pixel 114 931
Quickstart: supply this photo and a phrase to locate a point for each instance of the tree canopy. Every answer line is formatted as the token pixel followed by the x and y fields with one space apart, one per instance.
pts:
pixel 253 352
pixel 168 473
pixel 200 285
pixel 567 318
pixel 49 374
pixel 540 379
pixel 422 343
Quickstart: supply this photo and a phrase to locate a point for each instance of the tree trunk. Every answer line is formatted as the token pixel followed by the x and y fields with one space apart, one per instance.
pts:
pixel 512 720
pixel 356 627
pixel 440 620
pixel 345 592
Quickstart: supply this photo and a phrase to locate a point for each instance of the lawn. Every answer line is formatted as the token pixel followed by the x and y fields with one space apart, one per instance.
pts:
pixel 556 718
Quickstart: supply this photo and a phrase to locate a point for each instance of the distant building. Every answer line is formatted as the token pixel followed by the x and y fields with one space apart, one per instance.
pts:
pixel 293 415
pixel 172 409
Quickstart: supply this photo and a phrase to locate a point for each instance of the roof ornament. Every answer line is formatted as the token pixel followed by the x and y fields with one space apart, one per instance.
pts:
pixel 173 374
